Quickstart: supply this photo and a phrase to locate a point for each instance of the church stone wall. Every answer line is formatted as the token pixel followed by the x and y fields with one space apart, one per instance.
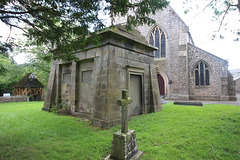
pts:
pixel 175 63
pixel 237 82
pixel 214 90
pixel 181 55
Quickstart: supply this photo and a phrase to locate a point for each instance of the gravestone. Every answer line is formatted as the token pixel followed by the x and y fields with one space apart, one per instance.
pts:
pixel 124 144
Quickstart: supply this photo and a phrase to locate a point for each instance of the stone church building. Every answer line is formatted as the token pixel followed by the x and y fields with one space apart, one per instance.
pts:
pixel 184 71
pixel 150 61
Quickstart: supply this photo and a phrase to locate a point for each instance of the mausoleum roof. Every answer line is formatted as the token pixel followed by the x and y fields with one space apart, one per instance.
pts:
pixel 133 35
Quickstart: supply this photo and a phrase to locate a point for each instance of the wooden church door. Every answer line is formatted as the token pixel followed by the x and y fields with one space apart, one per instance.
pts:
pixel 161 84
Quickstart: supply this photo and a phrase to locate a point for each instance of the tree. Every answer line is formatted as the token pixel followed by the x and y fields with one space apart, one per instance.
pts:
pixel 12 74
pixel 39 62
pixel 65 24
pixel 4 48
pixel 220 9
pixel 15 72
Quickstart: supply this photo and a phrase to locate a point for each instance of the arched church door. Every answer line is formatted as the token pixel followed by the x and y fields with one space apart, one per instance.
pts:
pixel 161 84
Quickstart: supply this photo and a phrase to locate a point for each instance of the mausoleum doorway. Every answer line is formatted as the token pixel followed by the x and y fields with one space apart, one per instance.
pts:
pixel 135 92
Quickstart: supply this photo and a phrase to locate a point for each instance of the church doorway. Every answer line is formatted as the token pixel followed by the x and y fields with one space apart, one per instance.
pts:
pixel 135 108
pixel 161 85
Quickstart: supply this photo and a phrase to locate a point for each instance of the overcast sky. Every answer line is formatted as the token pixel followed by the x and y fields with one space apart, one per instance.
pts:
pixel 201 26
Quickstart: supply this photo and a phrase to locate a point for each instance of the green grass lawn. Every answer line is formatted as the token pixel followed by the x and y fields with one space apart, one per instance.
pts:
pixel 177 132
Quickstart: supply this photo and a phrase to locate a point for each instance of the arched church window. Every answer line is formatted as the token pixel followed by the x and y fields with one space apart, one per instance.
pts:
pixel 158 39
pixel 202 74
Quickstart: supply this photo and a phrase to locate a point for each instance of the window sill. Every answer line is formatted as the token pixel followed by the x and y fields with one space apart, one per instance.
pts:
pixel 200 87
pixel 160 59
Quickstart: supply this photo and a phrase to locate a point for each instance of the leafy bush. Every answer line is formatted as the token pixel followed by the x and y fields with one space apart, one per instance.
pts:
pixel 65 109
pixel 54 108
pixel 62 109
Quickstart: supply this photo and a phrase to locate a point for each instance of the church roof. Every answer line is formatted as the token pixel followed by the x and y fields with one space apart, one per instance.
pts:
pixel 29 80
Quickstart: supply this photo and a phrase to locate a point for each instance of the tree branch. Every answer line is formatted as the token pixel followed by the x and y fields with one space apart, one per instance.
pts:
pixel 28 11
pixel 41 68
pixel 131 5
pixel 238 5
pixel 223 18
pixel 11 12
pixel 7 17
pixel 12 25
pixel 204 8
pixel 9 34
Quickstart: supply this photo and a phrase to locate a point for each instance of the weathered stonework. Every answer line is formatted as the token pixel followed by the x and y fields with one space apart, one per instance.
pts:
pixel 181 56
pixel 93 84
pixel 221 82
pixel 124 147
pixel 237 82
pixel 13 99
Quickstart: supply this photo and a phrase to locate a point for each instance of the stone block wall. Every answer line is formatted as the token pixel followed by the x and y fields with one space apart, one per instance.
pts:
pixel 220 88
pixel 181 55
pixel 93 84
pixel 174 65
pixel 115 67
pixel 231 88
pixel 65 71
pixel 213 91
pixel 237 82
pixel 13 99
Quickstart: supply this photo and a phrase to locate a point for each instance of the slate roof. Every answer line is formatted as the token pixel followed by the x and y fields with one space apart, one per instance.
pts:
pixel 26 81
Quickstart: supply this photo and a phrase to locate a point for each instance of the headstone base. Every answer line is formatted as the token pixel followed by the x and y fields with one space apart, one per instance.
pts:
pixel 137 156
pixel 124 147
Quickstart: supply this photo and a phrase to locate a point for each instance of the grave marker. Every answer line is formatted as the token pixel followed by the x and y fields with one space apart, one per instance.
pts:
pixel 124 144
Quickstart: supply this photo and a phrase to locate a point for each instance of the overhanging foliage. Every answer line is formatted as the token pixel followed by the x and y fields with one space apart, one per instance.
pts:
pixel 57 23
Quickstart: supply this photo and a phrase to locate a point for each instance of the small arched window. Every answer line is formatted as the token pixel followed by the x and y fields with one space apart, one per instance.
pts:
pixel 202 74
pixel 158 39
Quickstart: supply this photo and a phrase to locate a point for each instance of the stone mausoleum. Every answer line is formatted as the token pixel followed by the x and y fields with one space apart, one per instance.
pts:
pixel 93 84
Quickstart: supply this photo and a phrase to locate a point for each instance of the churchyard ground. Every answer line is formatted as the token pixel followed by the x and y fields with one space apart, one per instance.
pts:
pixel 177 132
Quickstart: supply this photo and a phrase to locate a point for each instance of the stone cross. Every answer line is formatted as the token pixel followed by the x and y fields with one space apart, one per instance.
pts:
pixel 124 103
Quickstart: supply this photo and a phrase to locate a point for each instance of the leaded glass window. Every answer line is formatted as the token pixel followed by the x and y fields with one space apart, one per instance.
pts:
pixel 158 39
pixel 202 74
pixel 163 45
pixel 197 78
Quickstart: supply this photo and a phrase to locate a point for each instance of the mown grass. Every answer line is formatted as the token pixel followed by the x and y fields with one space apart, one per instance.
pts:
pixel 177 132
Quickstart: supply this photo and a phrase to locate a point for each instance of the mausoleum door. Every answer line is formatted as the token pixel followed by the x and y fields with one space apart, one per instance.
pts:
pixel 135 108
pixel 161 84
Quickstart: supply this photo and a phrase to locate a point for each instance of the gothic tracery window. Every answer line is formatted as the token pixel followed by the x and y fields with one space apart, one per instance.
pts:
pixel 202 74
pixel 158 39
